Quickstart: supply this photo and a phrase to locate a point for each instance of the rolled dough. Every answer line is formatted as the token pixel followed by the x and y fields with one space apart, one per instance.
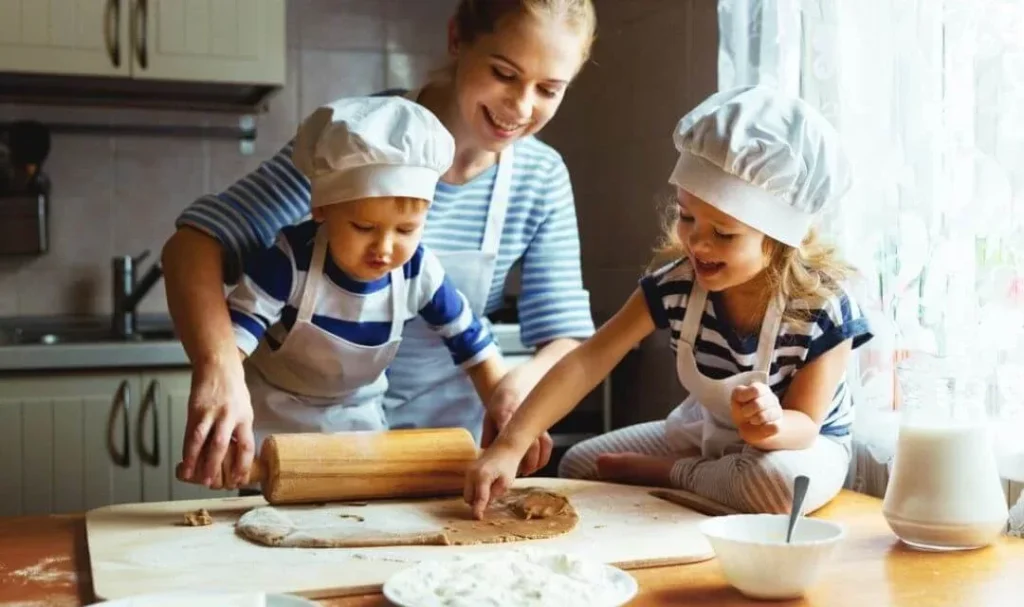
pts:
pixel 522 514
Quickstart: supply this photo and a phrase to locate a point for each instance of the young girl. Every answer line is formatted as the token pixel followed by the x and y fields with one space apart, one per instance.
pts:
pixel 760 322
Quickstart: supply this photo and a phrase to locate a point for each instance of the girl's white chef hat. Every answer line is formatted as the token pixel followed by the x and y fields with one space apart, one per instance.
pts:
pixel 767 159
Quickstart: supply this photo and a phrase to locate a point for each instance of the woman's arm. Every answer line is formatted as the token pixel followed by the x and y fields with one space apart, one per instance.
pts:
pixel 219 407
pixel 215 233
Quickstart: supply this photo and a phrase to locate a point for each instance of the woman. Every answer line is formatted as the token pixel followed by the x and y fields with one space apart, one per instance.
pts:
pixel 506 198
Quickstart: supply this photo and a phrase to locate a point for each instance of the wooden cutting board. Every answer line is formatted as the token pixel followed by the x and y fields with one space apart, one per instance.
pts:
pixel 136 548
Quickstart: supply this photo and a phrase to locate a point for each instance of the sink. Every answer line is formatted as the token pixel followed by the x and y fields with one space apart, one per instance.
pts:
pixel 69 335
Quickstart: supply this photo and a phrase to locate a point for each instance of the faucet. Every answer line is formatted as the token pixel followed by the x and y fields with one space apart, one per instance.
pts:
pixel 128 293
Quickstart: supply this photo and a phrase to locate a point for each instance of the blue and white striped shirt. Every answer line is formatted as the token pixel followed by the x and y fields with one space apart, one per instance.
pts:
pixel 721 352
pixel 266 301
pixel 540 231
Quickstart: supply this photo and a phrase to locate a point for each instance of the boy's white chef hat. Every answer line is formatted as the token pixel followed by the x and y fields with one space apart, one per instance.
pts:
pixel 767 159
pixel 368 147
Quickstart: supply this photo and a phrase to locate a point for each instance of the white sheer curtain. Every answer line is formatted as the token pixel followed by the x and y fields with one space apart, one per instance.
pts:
pixel 929 98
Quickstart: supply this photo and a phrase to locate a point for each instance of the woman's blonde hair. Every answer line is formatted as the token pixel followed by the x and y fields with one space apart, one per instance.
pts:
pixel 804 275
pixel 474 18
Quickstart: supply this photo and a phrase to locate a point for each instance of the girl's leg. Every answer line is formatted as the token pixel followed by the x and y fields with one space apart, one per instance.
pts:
pixel 580 461
pixel 751 480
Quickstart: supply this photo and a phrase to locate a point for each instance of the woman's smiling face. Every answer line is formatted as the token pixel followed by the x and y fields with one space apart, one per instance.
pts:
pixel 511 82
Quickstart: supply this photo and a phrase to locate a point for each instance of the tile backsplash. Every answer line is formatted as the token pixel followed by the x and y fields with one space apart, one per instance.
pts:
pixel 119 195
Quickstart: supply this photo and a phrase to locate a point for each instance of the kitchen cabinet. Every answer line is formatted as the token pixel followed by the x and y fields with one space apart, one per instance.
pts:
pixel 75 441
pixel 64 37
pixel 212 41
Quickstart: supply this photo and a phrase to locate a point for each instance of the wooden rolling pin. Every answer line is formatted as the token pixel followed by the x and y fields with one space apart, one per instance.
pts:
pixel 314 467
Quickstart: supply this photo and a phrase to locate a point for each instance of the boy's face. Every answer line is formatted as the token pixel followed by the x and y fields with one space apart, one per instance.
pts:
pixel 724 252
pixel 372 236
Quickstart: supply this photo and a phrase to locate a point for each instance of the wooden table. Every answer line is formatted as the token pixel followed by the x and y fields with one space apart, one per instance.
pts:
pixel 44 561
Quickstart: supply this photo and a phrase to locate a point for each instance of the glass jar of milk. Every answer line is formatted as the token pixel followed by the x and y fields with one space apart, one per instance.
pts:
pixel 945 491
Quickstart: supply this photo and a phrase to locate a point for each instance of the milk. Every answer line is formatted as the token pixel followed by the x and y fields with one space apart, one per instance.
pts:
pixel 945 492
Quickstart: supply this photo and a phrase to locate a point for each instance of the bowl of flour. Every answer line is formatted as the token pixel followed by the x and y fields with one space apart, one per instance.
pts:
pixel 511 578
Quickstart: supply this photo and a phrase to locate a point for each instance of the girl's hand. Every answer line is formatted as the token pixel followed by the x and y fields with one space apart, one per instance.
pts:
pixel 500 408
pixel 490 476
pixel 755 405
pixel 756 411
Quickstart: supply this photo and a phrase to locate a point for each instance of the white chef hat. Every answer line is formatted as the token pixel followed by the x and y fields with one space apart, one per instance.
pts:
pixel 368 147
pixel 767 159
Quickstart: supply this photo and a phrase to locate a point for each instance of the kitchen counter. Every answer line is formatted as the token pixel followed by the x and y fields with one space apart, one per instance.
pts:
pixel 45 561
pixel 88 347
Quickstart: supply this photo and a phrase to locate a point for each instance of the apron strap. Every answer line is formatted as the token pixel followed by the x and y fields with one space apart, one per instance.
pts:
pixel 694 313
pixel 765 340
pixel 399 301
pixel 769 332
pixel 497 209
pixel 311 290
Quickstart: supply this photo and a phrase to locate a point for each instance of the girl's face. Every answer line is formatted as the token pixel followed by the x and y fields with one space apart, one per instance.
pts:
pixel 724 252
pixel 509 83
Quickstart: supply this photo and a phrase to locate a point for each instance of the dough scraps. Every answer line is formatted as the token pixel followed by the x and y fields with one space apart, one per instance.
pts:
pixel 197 518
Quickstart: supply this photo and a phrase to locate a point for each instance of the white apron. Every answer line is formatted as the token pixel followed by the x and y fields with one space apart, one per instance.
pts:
pixel 427 389
pixel 703 419
pixel 316 381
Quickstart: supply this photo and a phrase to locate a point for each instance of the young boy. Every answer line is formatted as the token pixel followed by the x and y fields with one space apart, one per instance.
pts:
pixel 320 314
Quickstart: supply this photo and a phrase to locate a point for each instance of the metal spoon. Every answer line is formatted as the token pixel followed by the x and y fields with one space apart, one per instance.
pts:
pixel 799 492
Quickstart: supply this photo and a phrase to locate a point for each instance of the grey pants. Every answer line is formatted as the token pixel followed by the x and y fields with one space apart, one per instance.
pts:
pixel 745 478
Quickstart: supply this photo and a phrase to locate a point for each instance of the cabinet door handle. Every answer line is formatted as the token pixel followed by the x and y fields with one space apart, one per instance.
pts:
pixel 150 406
pixel 112 30
pixel 122 403
pixel 141 10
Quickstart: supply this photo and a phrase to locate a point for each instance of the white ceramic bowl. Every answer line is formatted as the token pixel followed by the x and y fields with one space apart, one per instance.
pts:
pixel 757 561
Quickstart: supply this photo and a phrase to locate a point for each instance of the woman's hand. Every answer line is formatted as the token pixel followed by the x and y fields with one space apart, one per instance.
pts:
pixel 219 417
pixel 490 476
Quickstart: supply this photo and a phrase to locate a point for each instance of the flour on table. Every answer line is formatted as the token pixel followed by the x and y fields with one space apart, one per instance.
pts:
pixel 514 578
pixel 45 571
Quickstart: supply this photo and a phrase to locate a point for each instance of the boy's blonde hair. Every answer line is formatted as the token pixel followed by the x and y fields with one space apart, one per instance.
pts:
pixel 404 203
pixel 804 275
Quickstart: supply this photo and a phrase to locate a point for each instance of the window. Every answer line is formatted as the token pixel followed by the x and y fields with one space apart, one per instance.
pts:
pixel 929 98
